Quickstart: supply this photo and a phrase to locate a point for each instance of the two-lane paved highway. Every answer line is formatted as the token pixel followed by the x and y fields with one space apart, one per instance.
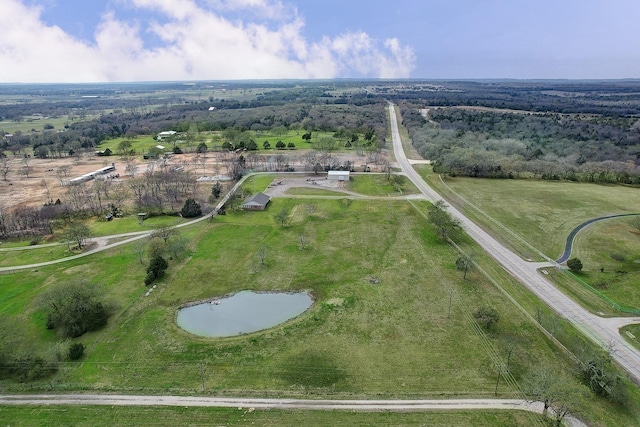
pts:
pixel 603 331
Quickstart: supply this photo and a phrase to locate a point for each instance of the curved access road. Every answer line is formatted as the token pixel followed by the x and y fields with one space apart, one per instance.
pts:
pixel 103 242
pixel 569 245
pixel 603 331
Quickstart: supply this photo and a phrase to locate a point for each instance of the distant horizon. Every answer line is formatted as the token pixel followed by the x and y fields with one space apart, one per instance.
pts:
pixel 345 79
pixel 109 41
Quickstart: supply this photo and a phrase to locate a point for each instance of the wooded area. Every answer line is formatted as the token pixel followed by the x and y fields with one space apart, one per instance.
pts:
pixel 579 132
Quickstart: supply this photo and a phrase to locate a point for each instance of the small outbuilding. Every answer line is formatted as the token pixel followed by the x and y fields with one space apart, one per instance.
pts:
pixel 257 202
pixel 338 175
pixel 166 134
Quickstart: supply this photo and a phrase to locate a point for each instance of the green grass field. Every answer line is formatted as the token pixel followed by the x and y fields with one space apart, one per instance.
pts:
pixel 36 254
pixel 32 256
pixel 610 251
pixel 535 217
pixel 130 224
pixel 392 337
pixel 632 334
pixel 214 140
pixel 539 212
pixel 379 185
pixel 153 416
pixel 26 126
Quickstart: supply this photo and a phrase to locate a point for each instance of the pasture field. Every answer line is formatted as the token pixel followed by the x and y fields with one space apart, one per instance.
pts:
pixel 139 144
pixel 534 218
pixel 214 140
pixel 392 316
pixel 542 213
pixel 29 125
pixel 32 255
pixel 28 254
pixel 258 183
pixel 129 224
pixel 146 416
pixel 379 185
pixel 610 252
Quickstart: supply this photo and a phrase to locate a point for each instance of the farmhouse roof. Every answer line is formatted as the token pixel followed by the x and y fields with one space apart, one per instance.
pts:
pixel 258 198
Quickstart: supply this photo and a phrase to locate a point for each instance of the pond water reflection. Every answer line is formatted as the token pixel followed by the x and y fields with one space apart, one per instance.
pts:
pixel 242 313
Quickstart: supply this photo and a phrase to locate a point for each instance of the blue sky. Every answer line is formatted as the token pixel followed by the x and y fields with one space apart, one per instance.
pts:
pixel 134 40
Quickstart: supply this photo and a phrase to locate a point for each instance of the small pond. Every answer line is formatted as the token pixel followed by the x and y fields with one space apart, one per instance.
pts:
pixel 242 313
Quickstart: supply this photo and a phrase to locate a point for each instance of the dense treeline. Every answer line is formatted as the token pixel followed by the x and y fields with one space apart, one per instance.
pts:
pixel 549 146
pixel 608 98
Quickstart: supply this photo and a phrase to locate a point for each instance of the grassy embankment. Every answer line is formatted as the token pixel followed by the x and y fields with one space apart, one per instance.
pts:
pixel 360 339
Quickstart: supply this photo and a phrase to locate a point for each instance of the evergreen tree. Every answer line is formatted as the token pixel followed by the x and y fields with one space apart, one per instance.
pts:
pixel 191 209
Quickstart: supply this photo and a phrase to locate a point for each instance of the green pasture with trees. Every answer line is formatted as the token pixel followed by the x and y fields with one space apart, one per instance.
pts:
pixel 398 312
pixel 535 217
pixel 270 140
pixel 393 317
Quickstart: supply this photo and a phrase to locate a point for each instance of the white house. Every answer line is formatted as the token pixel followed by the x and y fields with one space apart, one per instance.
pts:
pixel 166 134
pixel 338 175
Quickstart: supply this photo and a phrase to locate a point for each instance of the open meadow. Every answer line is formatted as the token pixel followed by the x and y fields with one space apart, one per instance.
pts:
pixel 398 312
pixel 392 317
pixel 541 213
pixel 535 218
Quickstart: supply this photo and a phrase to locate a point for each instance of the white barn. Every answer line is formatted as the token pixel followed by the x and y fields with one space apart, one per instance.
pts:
pixel 338 175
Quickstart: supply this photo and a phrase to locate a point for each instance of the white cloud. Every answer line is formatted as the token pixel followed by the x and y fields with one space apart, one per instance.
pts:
pixel 31 51
pixel 197 42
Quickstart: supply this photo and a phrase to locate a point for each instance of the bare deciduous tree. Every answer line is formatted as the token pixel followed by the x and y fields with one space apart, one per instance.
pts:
pixel 5 168
pixel 26 169
pixel 78 233
pixel 164 233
